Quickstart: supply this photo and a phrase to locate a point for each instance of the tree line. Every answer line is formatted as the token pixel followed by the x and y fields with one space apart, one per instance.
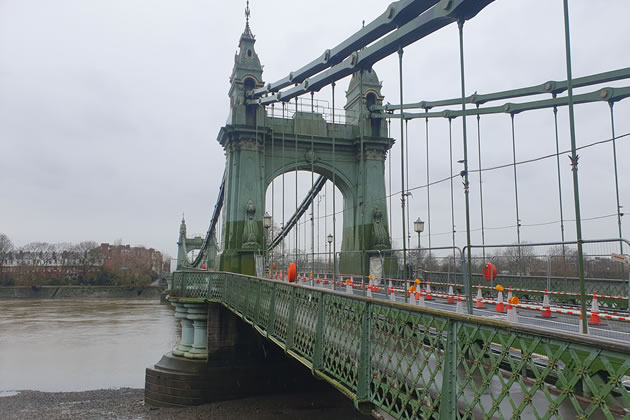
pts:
pixel 83 263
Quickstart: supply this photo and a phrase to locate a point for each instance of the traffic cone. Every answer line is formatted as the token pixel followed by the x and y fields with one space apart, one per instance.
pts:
pixel 512 316
pixel 428 294
pixel 500 307
pixel 459 308
pixel 369 291
pixel 349 286
pixel 420 299
pixel 390 291
pixel 509 294
pixel 451 296
pixel 595 319
pixel 412 297
pixel 546 312
pixel 479 303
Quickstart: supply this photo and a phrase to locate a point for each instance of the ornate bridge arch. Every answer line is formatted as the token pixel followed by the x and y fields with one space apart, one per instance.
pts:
pixel 253 144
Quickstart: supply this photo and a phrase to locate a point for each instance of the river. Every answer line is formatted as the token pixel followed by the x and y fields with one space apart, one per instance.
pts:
pixel 79 345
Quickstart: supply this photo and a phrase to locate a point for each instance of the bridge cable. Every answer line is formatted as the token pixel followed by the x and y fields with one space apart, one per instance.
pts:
pixel 483 233
pixel 518 220
pixel 284 267
pixel 312 185
pixel 450 151
pixel 273 182
pixel 614 142
pixel 402 171
pixel 428 187
pixel 334 182
pixel 362 117
pixel 468 262
pixel 213 223
pixel 555 121
pixel 407 176
pixel 389 162
pixel 294 220
pixel 295 131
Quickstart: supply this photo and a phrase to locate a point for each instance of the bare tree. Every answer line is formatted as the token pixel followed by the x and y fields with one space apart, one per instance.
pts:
pixel 6 246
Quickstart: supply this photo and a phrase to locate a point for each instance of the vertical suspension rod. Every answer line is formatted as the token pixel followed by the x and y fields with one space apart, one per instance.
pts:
pixel 468 280
pixel 518 219
pixel 407 181
pixel 362 121
pixel 297 229
pixel 273 182
pixel 574 167
pixel 450 151
pixel 312 185
pixel 614 142
pixel 403 194
pixel 389 163
pixel 483 230
pixel 555 121
pixel 334 182
pixel 283 190
pixel 426 123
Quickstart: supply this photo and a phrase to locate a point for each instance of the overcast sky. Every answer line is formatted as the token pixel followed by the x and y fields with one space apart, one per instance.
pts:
pixel 109 111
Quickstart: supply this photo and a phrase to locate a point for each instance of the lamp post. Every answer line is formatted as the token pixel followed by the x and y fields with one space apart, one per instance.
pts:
pixel 267 223
pixel 418 226
pixel 330 239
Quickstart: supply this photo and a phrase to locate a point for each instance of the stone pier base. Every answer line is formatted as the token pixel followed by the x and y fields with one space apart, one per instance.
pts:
pixel 237 362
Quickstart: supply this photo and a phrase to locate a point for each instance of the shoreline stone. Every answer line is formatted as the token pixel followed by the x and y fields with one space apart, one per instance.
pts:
pixel 79 292
pixel 127 403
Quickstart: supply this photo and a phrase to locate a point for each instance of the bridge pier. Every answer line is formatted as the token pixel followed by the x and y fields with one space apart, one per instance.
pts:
pixel 220 357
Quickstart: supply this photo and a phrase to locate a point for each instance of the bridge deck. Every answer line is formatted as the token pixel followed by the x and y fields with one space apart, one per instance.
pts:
pixel 413 362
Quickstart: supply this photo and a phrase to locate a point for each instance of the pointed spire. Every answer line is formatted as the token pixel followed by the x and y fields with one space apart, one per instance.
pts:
pixel 247 34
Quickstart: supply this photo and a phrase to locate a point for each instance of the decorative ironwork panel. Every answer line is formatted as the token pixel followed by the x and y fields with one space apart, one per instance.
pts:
pixel 305 322
pixel 342 339
pixel 407 359
pixel 262 317
pixel 508 374
pixel 281 321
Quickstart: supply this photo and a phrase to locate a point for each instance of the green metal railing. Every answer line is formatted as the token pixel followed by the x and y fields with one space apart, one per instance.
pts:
pixel 535 286
pixel 412 362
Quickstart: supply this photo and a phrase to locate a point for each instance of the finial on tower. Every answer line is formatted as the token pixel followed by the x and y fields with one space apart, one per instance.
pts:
pixel 247 13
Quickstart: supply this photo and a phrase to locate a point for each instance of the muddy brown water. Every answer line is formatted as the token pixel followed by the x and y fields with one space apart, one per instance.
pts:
pixel 79 345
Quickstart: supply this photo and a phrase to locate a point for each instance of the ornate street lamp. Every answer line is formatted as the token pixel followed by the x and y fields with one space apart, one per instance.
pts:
pixel 418 226
pixel 330 239
pixel 267 223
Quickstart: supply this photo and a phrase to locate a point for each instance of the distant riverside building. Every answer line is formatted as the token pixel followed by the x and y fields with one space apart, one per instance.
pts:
pixel 123 257
pixel 47 263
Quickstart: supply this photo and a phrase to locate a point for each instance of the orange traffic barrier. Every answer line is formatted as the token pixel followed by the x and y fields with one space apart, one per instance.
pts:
pixel 500 306
pixel 546 311
pixel 459 308
pixel 479 303
pixel 451 296
pixel 595 319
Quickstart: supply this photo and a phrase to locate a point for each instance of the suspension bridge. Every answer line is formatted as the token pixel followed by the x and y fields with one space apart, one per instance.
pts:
pixel 405 332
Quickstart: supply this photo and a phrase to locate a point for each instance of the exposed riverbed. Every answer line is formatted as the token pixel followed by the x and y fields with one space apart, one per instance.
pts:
pixel 89 356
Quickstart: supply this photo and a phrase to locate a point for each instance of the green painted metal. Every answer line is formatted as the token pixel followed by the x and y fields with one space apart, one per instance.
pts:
pixel 574 166
pixel 354 160
pixel 601 95
pixel 426 363
pixel 448 394
pixel 551 87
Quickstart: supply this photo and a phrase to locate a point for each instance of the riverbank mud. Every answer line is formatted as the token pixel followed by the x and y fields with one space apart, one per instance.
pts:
pixel 127 404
